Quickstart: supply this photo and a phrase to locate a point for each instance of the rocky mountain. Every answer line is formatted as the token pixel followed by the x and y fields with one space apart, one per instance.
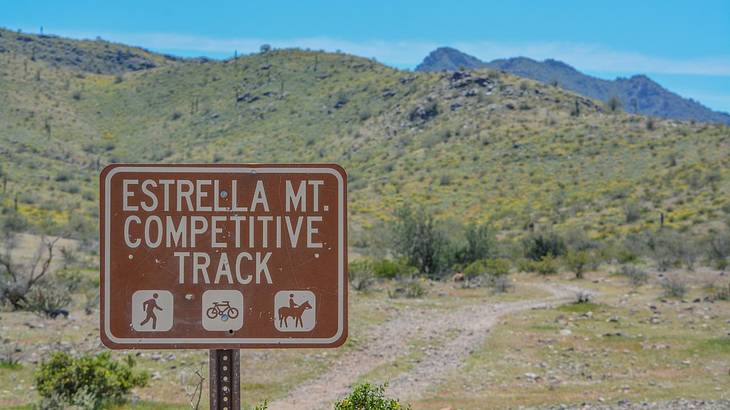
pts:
pixel 471 146
pixel 638 94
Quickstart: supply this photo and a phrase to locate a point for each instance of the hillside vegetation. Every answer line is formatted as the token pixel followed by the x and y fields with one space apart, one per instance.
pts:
pixel 472 146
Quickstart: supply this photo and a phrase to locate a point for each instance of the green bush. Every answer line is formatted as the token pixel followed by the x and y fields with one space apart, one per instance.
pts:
pixel 480 243
pixel 540 245
pixel 498 266
pixel 369 397
pixel 670 248
pixel 548 265
pixel 364 271
pixel 718 249
pixel 100 379
pixel 674 287
pixel 361 274
pixel 577 262
pixel 491 267
pixel 47 298
pixel 409 288
pixel 390 269
pixel 636 276
pixel 475 269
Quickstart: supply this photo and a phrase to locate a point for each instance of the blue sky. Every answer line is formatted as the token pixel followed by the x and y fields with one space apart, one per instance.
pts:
pixel 683 45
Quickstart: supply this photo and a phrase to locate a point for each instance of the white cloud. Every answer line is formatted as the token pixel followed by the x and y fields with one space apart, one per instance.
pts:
pixel 586 57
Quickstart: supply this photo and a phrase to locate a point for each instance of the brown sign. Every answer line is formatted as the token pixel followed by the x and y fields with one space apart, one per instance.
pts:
pixel 223 256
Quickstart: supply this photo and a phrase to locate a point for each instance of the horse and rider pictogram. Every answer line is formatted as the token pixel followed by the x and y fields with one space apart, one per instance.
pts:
pixel 294 311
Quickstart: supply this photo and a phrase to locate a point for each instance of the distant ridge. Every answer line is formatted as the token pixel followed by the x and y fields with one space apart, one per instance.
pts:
pixel 638 94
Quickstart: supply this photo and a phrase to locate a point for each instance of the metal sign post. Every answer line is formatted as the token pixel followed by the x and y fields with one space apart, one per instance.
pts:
pixel 225 379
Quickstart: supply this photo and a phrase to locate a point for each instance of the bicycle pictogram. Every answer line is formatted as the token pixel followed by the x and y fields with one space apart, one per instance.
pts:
pixel 222 309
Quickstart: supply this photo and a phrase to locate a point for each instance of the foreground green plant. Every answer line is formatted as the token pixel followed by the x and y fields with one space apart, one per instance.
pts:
pixel 87 381
pixel 369 397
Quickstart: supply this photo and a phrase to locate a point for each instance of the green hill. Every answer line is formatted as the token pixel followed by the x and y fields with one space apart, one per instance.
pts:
pixel 472 146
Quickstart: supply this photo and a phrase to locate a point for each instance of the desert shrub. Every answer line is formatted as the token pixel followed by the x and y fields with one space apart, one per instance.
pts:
pixel 47 299
pixel 361 274
pixel 11 222
pixel 419 240
pixel 366 270
pixel 632 212
pixel 63 176
pixel 390 269
pixel 540 245
pixel 636 276
pixel 650 124
pixel 614 104
pixel 498 266
pixel 674 287
pixel 718 249
pixel 500 284
pixel 99 379
pixel 9 355
pixel 669 249
pixel 81 400
pixel 18 279
pixel 262 406
pixel 722 293
pixel 71 279
pixel 579 241
pixel 479 244
pixel 548 265
pixel 485 271
pixel 475 269
pixel 577 262
pixel 409 288
pixel 717 292
pixel 368 397
pixel 524 265
pixel 582 297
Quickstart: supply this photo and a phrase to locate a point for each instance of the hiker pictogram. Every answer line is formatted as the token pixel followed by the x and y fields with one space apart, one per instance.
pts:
pixel 152 310
pixel 222 310
pixel 294 311
pixel 149 307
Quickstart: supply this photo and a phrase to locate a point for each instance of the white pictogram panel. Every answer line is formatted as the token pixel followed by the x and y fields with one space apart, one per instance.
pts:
pixel 222 310
pixel 152 310
pixel 295 311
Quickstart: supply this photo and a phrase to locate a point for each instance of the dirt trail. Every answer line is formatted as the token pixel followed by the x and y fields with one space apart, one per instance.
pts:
pixel 385 343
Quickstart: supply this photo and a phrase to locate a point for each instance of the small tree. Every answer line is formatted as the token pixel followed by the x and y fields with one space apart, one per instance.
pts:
pixel 16 280
pixel 578 262
pixel 265 48
pixel 614 104
pixel 479 243
pixel 419 240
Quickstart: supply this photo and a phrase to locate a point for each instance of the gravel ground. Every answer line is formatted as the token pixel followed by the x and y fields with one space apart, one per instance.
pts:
pixel 678 404
pixel 469 326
